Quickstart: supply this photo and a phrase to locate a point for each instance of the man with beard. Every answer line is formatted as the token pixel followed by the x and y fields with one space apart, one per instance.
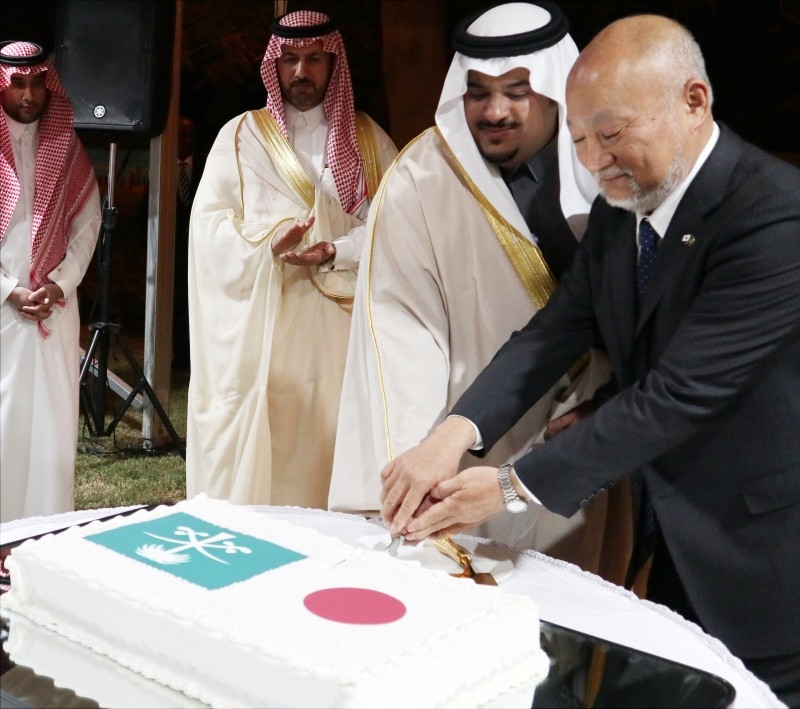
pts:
pixel 274 243
pixel 704 339
pixel 49 220
pixel 476 222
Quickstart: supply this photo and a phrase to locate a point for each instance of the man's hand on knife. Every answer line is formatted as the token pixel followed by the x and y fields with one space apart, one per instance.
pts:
pixel 458 504
pixel 410 477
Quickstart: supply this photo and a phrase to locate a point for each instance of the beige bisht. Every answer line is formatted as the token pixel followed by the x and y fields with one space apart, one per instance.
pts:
pixel 444 281
pixel 268 340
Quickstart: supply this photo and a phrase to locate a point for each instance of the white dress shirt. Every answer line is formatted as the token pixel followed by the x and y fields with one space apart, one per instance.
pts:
pixel 662 215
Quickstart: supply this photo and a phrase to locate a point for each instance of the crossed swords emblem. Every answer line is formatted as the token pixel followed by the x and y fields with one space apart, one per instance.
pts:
pixel 199 541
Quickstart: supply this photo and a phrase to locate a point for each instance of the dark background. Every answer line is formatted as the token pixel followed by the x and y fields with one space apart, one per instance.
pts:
pixel 752 50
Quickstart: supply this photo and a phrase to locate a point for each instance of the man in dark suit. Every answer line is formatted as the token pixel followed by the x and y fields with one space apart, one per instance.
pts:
pixel 701 320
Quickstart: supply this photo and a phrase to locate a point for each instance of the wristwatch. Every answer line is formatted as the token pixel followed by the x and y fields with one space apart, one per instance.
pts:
pixel 514 503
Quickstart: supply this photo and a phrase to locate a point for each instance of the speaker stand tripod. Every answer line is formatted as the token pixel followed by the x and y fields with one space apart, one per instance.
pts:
pixel 95 360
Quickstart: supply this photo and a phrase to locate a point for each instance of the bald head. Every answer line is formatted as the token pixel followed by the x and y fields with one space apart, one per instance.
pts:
pixel 639 109
pixel 650 50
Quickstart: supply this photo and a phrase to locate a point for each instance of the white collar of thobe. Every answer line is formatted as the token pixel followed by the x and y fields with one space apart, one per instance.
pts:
pixel 308 136
pixel 662 215
pixel 313 118
pixel 17 129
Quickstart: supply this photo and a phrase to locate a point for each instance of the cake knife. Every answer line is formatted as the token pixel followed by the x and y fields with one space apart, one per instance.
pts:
pixel 457 553
pixel 395 544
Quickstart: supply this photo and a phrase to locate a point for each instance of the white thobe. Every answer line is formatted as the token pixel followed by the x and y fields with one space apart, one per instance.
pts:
pixel 38 376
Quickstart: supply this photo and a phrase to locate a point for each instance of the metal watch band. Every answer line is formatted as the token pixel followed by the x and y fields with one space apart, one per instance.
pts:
pixel 506 486
pixel 513 502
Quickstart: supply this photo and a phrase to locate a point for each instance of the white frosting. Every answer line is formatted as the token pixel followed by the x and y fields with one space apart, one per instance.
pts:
pixel 87 674
pixel 253 643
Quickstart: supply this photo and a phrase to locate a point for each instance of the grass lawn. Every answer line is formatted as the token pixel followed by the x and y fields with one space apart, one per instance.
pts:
pixel 117 470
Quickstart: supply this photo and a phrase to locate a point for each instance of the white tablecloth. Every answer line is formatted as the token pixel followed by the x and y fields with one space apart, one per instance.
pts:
pixel 566 595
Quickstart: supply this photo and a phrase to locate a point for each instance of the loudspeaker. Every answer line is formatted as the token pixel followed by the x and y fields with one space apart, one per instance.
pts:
pixel 115 61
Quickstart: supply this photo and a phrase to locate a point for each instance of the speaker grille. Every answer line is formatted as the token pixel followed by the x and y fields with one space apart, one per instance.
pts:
pixel 114 59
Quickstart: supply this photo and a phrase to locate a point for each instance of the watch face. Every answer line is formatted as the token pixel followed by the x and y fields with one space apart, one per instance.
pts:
pixel 516 506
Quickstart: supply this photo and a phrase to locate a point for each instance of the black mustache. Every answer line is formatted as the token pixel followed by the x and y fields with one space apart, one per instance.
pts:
pixel 504 125
pixel 302 82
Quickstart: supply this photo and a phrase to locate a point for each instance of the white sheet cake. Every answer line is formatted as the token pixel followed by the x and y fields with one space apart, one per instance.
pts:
pixel 235 609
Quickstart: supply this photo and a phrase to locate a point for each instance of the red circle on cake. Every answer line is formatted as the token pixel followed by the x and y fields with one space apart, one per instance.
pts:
pixel 357 606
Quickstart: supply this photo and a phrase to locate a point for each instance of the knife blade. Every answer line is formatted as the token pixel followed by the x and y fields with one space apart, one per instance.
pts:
pixel 395 544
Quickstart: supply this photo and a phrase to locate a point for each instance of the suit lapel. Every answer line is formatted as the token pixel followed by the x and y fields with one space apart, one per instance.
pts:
pixel 687 227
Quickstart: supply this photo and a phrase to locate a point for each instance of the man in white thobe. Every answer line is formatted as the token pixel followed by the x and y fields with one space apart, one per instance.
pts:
pixel 466 240
pixel 49 220
pixel 275 239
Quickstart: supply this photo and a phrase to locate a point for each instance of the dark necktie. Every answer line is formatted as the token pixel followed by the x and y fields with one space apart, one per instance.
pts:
pixel 183 182
pixel 648 248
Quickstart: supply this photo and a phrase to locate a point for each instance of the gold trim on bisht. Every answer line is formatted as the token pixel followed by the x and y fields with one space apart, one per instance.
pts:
pixel 370 239
pixel 369 153
pixel 287 160
pixel 524 255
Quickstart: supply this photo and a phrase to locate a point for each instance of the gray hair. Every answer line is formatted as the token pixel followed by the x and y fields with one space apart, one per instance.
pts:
pixel 687 62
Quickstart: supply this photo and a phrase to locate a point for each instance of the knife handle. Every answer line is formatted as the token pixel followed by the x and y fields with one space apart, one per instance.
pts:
pixel 458 554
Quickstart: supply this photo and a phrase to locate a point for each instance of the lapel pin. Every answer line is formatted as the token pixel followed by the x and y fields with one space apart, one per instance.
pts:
pixel 688 239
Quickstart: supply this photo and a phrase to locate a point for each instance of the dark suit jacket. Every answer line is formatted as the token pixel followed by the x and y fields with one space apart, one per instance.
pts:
pixel 708 408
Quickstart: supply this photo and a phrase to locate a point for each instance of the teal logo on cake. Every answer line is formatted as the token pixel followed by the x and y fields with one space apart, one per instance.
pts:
pixel 196 550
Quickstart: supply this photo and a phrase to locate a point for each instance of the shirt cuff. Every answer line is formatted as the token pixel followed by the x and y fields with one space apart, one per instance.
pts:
pixel 345 256
pixel 478 445
pixel 7 285
pixel 531 497
pixel 66 277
